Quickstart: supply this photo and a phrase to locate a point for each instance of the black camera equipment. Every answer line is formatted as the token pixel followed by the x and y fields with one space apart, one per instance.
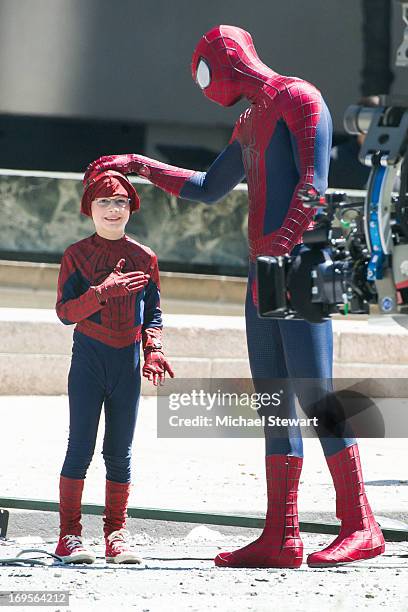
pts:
pixel 356 256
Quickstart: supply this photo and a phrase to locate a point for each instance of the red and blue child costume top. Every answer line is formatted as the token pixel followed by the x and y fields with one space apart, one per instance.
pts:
pixel 122 320
pixel 281 143
pixel 119 321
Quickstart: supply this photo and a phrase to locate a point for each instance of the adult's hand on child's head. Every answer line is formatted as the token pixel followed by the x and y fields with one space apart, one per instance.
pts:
pixel 156 367
pixel 144 171
pixel 126 163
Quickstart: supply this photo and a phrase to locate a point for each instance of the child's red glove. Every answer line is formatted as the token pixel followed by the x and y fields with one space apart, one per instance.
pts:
pixel 118 284
pixel 155 365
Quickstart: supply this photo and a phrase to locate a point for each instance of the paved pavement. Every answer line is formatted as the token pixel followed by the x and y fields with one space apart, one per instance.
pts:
pixel 217 475
pixel 178 574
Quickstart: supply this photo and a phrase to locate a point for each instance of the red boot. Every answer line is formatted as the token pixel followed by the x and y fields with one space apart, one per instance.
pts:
pixel 279 544
pixel 70 547
pixel 116 535
pixel 360 536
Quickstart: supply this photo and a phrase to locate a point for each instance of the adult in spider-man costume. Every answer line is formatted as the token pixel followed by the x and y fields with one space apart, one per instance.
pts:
pixel 281 143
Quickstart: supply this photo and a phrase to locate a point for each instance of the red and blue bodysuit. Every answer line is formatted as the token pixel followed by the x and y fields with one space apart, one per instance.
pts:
pixel 281 144
pixel 105 365
pixel 108 286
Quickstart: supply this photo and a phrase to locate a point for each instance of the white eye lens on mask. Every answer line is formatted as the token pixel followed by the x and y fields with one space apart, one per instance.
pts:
pixel 203 77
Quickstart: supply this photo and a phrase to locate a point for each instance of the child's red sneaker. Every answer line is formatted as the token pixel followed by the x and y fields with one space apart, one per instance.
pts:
pixel 117 548
pixel 71 550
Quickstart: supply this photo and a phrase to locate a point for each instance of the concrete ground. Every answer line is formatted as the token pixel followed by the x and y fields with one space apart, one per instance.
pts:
pixel 218 475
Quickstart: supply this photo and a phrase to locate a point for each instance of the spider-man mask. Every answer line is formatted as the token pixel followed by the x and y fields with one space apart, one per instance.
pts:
pixel 225 63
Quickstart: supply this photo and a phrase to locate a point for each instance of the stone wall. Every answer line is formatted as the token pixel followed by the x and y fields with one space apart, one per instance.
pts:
pixel 40 214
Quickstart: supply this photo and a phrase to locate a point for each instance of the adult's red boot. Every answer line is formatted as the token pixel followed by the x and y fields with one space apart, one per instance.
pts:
pixel 70 547
pixel 116 534
pixel 360 536
pixel 279 544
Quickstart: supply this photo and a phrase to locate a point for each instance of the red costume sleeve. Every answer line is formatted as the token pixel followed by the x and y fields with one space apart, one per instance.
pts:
pixel 300 107
pixel 152 325
pixel 72 306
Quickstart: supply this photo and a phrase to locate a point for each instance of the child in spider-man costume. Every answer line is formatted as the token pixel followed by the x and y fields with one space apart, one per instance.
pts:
pixel 281 143
pixel 109 286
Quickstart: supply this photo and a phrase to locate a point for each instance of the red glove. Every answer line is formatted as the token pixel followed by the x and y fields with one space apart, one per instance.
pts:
pixel 127 163
pixel 169 178
pixel 118 284
pixel 155 365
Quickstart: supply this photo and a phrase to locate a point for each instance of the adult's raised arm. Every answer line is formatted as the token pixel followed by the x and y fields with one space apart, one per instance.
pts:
pixel 222 176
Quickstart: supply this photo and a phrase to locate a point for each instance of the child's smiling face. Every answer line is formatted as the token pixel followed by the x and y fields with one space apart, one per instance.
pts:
pixel 110 215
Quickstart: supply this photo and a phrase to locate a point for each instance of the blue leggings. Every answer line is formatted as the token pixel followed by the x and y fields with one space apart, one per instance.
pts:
pixel 295 350
pixel 99 375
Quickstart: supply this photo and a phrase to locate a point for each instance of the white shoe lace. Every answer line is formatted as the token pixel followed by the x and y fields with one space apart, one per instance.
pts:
pixel 118 539
pixel 73 542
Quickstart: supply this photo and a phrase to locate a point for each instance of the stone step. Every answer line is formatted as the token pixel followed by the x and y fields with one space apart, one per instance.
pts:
pixel 33 285
pixel 21 297
pixel 42 277
pixel 35 351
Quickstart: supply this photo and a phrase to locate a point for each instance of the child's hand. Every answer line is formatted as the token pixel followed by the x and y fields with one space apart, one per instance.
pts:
pixel 118 284
pixel 155 367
